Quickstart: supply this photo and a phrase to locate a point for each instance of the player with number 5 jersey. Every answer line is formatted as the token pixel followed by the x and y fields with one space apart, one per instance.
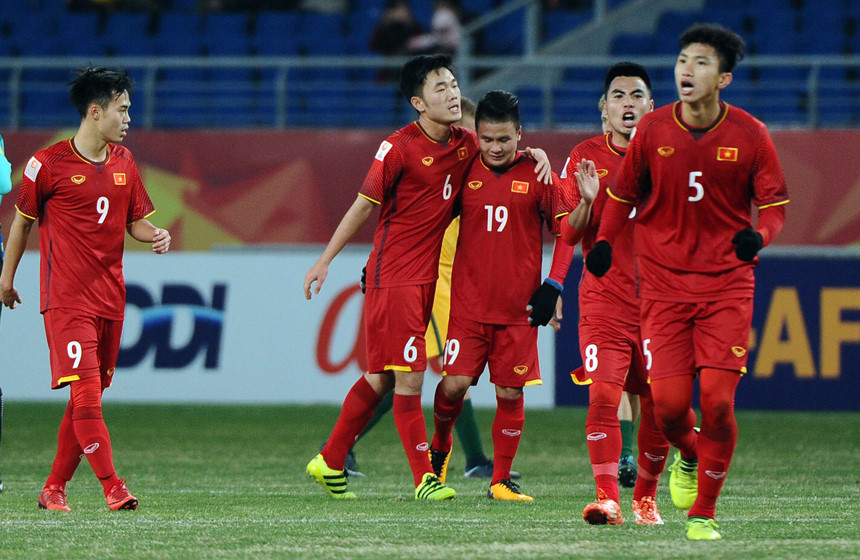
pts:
pixel 693 171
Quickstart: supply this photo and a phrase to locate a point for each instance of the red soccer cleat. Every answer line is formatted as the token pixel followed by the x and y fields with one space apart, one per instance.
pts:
pixel 54 497
pixel 603 512
pixel 118 497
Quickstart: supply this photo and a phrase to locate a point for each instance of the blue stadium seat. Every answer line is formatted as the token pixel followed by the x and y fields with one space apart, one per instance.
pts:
pixel 560 22
pixel 320 33
pixel 531 107
pixel 674 23
pixel 226 34
pixel 504 37
pixel 631 44
pixel 275 33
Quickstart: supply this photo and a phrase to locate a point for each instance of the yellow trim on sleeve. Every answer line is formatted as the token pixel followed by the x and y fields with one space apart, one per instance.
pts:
pixel 774 204
pixel 370 199
pixel 141 218
pixel 612 196
pixel 23 214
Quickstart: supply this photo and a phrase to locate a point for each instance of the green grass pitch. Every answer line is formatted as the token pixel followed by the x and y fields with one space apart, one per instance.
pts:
pixel 229 482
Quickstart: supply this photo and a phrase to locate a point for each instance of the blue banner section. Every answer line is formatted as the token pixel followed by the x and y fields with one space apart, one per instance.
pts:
pixel 805 340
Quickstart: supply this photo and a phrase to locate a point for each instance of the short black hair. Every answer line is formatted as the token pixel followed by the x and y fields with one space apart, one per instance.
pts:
pixel 729 45
pixel 498 106
pixel 99 85
pixel 415 71
pixel 630 69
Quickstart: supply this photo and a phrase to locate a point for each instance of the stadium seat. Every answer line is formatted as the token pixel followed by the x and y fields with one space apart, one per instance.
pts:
pixel 504 37
pixel 630 44
pixel 674 23
pixel 531 107
pixel 560 22
pixel 275 33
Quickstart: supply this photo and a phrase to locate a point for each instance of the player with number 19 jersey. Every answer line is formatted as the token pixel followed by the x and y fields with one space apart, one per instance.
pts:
pixel 81 265
pixel 416 180
pixel 498 259
pixel 695 188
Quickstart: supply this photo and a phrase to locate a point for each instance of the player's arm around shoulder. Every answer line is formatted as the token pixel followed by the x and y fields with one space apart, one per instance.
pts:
pixel 143 231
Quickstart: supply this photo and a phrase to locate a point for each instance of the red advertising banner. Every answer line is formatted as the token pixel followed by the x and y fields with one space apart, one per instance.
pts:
pixel 277 187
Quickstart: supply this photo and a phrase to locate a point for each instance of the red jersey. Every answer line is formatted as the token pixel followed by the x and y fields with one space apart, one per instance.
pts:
pixel 416 180
pixel 83 210
pixel 615 293
pixel 694 188
pixel 497 265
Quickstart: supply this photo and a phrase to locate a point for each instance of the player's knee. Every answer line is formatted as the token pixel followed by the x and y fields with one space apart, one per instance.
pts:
pixel 455 386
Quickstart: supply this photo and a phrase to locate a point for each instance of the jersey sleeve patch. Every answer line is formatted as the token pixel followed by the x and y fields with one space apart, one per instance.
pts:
pixel 383 149
pixel 32 169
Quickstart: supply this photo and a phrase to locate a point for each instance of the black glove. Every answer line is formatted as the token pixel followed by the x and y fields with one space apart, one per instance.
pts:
pixel 599 259
pixel 363 282
pixel 748 243
pixel 542 304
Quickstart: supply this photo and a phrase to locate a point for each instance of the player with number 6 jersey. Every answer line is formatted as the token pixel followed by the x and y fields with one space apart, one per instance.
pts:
pixel 414 178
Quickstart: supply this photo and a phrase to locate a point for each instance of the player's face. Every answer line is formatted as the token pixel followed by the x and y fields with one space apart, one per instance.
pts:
pixel 626 101
pixel 113 120
pixel 440 97
pixel 697 74
pixel 498 142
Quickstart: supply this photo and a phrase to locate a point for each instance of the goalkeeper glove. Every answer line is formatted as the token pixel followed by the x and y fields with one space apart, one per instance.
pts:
pixel 363 282
pixel 748 243
pixel 599 259
pixel 542 303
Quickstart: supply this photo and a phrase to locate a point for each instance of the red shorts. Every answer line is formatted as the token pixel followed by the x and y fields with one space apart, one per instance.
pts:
pixel 80 346
pixel 510 351
pixel 682 338
pixel 395 320
pixel 612 352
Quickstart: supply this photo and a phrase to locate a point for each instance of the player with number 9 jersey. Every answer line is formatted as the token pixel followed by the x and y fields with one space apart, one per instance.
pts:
pixel 82 253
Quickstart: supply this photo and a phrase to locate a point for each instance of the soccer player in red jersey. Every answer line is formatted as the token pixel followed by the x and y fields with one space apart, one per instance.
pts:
pixel 609 336
pixel 496 271
pixel 693 170
pixel 86 193
pixel 415 178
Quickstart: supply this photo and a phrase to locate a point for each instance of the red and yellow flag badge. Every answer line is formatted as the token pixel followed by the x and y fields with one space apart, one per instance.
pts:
pixel 727 154
pixel 521 187
pixel 428 161
pixel 119 178
pixel 462 152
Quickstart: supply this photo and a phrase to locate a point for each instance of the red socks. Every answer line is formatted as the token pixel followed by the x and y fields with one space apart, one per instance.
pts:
pixel 653 451
pixel 603 436
pixel 507 432
pixel 69 453
pixel 716 444
pixel 409 420
pixel 357 410
pixel 445 414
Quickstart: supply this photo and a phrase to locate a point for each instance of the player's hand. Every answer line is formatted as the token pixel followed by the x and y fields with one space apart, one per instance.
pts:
pixel 542 304
pixel 586 180
pixel 748 243
pixel 599 259
pixel 543 169
pixel 10 296
pixel 363 281
pixel 161 241
pixel 555 322
pixel 317 273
